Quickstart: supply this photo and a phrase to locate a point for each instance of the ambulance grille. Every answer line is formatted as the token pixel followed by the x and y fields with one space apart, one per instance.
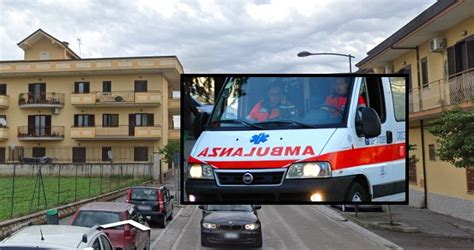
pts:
pixel 260 177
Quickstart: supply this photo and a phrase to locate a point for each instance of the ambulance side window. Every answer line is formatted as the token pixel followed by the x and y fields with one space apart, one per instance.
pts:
pixel 375 94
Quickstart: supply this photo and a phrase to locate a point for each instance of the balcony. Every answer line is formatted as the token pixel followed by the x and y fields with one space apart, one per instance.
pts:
pixel 3 133
pixel 432 99
pixel 174 134
pixel 41 133
pixel 174 105
pixel 122 132
pixel 116 98
pixel 4 101
pixel 43 100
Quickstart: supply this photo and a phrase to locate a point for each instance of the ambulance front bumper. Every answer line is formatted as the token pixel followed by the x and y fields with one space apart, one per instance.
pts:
pixel 290 190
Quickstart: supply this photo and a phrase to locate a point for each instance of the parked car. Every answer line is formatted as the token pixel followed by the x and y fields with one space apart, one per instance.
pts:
pixel 57 237
pixel 236 225
pixel 100 213
pixel 155 202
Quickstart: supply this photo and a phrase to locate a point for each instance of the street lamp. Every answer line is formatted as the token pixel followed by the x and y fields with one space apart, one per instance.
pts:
pixel 306 53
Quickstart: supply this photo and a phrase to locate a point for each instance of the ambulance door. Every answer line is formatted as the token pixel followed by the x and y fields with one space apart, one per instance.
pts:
pixel 372 154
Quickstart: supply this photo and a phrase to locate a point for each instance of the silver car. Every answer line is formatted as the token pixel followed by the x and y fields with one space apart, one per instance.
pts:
pixel 57 237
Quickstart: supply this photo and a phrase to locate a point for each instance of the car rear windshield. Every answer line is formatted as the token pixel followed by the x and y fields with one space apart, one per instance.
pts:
pixel 144 194
pixel 244 208
pixel 92 218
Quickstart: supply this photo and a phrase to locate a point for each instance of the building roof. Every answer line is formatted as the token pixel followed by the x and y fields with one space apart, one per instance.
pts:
pixel 38 34
pixel 438 17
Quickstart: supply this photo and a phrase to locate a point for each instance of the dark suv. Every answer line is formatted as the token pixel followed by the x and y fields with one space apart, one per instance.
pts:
pixel 155 202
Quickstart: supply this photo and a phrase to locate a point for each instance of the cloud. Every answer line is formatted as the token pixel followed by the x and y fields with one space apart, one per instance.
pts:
pixel 213 36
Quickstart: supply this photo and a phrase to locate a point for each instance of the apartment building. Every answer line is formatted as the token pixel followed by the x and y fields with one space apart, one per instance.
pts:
pixel 56 104
pixel 436 50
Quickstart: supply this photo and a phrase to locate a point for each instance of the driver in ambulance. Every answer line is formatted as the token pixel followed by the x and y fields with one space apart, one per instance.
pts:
pixel 339 99
pixel 274 105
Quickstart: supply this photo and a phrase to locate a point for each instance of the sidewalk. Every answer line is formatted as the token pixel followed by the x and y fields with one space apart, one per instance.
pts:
pixel 411 219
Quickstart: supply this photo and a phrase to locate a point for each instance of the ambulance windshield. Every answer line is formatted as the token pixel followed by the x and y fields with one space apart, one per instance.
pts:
pixel 282 102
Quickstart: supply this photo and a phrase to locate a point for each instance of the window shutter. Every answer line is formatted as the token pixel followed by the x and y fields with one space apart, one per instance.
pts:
pixel 451 61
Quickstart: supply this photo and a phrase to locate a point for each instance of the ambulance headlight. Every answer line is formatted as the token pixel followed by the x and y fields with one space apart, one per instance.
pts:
pixel 200 171
pixel 309 170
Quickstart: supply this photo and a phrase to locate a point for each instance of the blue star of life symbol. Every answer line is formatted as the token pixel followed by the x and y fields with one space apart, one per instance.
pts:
pixel 262 137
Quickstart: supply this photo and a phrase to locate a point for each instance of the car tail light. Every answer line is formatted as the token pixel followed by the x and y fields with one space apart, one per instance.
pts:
pixel 129 195
pixel 127 234
pixel 160 201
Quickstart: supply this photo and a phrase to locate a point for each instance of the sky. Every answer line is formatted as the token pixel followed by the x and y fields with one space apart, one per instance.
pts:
pixel 209 36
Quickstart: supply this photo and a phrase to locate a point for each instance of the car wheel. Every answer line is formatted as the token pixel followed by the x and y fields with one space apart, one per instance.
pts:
pixel 163 222
pixel 356 193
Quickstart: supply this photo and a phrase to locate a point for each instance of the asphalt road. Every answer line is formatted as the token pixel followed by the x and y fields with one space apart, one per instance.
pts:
pixel 284 227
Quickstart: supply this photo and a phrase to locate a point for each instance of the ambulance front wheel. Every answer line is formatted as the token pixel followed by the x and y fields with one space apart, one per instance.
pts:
pixel 357 193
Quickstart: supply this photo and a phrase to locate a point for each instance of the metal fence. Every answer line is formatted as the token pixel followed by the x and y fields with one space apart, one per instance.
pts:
pixel 93 154
pixel 27 188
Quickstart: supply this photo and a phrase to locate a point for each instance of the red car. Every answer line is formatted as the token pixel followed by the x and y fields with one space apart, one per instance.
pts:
pixel 124 237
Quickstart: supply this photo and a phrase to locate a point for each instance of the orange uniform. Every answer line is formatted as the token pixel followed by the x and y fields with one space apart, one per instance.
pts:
pixel 339 102
pixel 260 113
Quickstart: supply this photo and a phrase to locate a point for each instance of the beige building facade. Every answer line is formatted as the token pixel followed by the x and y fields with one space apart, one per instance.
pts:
pixel 436 50
pixel 56 104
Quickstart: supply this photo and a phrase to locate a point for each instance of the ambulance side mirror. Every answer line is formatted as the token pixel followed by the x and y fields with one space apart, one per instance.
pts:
pixel 368 124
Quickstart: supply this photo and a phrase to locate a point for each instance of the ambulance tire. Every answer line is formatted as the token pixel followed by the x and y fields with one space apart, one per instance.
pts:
pixel 357 193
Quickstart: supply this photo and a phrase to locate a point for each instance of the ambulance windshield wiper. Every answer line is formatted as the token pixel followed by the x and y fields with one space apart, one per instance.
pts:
pixel 247 124
pixel 287 122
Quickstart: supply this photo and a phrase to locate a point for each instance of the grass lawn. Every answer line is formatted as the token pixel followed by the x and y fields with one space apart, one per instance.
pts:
pixel 25 186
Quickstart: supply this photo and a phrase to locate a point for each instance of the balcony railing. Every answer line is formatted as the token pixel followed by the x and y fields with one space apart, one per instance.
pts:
pixel 4 101
pixel 44 99
pixel 118 132
pixel 41 132
pixel 457 89
pixel 461 87
pixel 116 98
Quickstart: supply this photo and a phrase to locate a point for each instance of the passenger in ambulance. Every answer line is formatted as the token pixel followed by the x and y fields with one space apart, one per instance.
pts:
pixel 338 100
pixel 274 105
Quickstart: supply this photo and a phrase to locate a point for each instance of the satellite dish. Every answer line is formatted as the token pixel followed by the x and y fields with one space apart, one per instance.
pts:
pixel 109 154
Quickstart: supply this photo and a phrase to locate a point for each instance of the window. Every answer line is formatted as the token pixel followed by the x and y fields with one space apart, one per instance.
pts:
pixel 39 151
pixel 412 173
pixel 3 89
pixel 81 87
pixel 84 120
pixel 140 154
pixel 432 152
pixel 106 86
pixel 105 153
pixel 142 120
pixel 397 84
pixel 141 86
pixel 44 55
pixel 17 153
pixel 424 72
pixel 78 154
pixel 376 99
pixel 461 56
pixel 110 120
pixel 2 155
pixel 470 179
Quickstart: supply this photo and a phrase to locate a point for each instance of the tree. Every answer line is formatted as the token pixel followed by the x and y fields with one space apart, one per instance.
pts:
pixel 169 150
pixel 455 132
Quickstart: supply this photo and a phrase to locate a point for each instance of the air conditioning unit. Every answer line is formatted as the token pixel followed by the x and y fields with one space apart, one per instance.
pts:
pixel 388 69
pixel 55 111
pixel 437 44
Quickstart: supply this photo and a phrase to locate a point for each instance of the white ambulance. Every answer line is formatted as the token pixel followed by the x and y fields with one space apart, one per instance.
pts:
pixel 308 138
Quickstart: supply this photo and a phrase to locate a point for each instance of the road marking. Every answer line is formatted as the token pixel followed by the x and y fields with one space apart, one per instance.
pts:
pixel 178 240
pixel 299 242
pixel 336 217
pixel 164 230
